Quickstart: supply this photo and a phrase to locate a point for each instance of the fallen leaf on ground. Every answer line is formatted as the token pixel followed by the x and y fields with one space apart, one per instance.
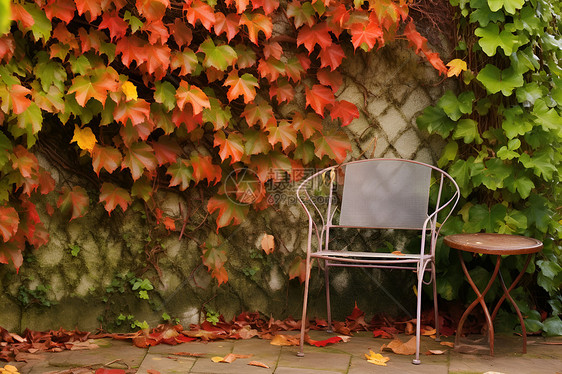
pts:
pixel 285 340
pixel 323 343
pixel 435 352
pixel 189 354
pixel 428 332
pixel 448 344
pixel 401 348
pixel 397 253
pixel 257 363
pixel 376 358
pixel 381 334
pixel 110 371
pixel 409 330
pixel 151 371
pixel 229 358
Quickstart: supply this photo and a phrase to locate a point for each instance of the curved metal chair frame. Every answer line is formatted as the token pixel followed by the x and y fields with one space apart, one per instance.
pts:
pixel 393 185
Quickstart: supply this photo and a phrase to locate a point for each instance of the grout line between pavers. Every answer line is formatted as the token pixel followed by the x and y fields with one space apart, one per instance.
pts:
pixel 143 358
pixel 278 358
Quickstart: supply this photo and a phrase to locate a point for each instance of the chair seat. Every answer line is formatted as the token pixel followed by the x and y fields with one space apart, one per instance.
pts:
pixel 366 257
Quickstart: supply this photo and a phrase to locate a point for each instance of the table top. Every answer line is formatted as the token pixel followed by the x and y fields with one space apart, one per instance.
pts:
pixel 494 244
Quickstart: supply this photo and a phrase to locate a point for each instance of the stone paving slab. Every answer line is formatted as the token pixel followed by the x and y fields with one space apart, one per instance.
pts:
pixel 544 357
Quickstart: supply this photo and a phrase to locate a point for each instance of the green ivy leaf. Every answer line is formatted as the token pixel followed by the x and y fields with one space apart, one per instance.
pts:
pixel 552 326
pixel 530 92
pixel 510 6
pixel 216 115
pixel 219 57
pixel 514 222
pixel 528 20
pixel 515 123
pixel 467 129
pixel 483 218
pixel 492 175
pixel 538 212
pixel 450 105
pixel 483 14
pixel 520 184
pixel 491 38
pixel 49 72
pixel 549 119
pixel 524 60
pixel 435 121
pixel 542 162
pixel 42 27
pixel 496 80
pixel 460 171
pixel 165 94
pixel 449 154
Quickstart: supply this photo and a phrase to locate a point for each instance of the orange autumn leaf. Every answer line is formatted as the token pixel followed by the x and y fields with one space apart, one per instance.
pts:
pixel 401 348
pixel 259 364
pixel 241 86
pixel 456 67
pixel 268 243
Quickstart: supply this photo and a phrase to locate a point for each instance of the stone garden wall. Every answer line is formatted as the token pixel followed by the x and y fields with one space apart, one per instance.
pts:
pixel 89 269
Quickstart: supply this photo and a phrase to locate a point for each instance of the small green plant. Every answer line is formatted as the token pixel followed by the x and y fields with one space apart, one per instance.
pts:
pixel 142 286
pixel 212 316
pixel 28 297
pixel 74 249
pixel 166 317
pixel 130 320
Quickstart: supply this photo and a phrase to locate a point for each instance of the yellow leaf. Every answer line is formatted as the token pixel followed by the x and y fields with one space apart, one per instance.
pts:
pixel 456 67
pixel 216 359
pixel 85 138
pixel 130 91
pixel 376 358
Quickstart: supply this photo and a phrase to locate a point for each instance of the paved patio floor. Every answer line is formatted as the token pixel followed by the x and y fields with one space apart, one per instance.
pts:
pixel 544 356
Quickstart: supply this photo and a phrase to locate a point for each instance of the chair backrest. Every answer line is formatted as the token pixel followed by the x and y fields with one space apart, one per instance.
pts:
pixel 385 193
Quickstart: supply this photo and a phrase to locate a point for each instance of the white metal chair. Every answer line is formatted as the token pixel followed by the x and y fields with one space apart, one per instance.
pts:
pixel 376 194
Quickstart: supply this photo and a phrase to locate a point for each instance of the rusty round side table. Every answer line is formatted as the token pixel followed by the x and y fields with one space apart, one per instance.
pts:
pixel 498 245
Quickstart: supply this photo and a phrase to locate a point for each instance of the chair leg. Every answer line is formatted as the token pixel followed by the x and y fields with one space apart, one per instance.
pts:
pixel 300 353
pixel 416 360
pixel 435 303
pixel 328 304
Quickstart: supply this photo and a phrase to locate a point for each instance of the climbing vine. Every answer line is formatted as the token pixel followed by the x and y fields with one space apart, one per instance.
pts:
pixel 131 98
pixel 504 135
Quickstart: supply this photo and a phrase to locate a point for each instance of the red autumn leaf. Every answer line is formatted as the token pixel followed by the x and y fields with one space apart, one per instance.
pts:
pixel 241 86
pixel 344 110
pixel 414 37
pixel 73 201
pixel 334 145
pixel 186 60
pixel 158 57
pixel 203 168
pixel 262 113
pixel 230 212
pixel 284 133
pixel 256 142
pixel 131 49
pixel 246 57
pixel 325 342
pixel 379 333
pixel 297 269
pixel 229 147
pixel 338 15
pixel 330 78
pixel 331 56
pixel 272 49
pixel 282 91
pixel 268 6
pixel 9 222
pixel 271 69
pixel 15 98
pixel 318 97
pixel 137 111
pixel 107 158
pixel 294 69
pixel 24 161
pixel 181 173
pixel 116 25
pixel 110 371
pixel 303 14
pixel 46 182
pixel 186 116
pixel 62 34
pixel 131 133
pixel 317 34
pixel 255 23
pixel 152 10
pixel 138 157
pixel 229 25
pixel 88 6
pixel 112 196
pixel 166 150
pixel 240 5
pixel 436 62
pixel 61 9
pixel 200 11
pixel 7 47
pixel 193 95
pixel 157 32
pixel 169 223
pixel 368 33
pixel 19 14
pixel 181 33
pixel 308 125
pixel 214 259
